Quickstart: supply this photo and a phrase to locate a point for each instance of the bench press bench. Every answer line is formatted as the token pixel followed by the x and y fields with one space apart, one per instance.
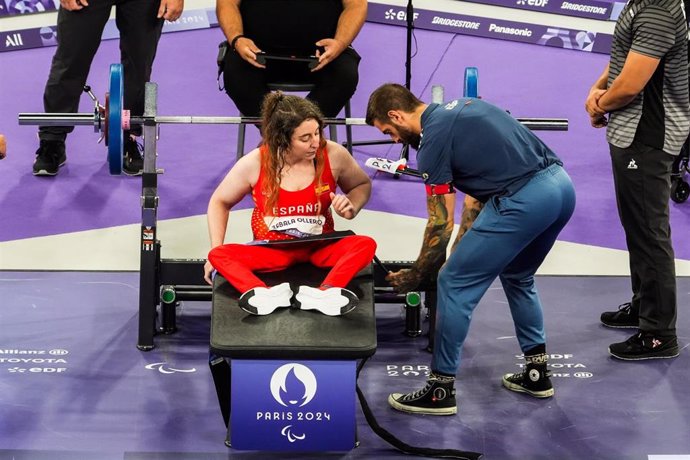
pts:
pixel 293 373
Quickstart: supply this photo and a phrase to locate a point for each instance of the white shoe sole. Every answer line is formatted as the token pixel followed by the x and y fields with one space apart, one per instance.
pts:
pixel 261 310
pixel 518 389
pixel 305 302
pixel 419 410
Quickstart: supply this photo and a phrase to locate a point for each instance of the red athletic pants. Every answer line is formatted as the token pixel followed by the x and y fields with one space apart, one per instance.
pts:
pixel 346 257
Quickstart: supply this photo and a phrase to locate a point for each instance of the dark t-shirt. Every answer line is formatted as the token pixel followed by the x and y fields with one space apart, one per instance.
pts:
pixel 659 116
pixel 290 26
pixel 480 148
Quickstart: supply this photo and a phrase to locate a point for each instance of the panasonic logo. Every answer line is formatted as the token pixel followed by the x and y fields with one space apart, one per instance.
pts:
pixel 456 23
pixel 510 31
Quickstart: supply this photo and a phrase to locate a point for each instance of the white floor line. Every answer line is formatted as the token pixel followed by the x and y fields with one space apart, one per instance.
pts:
pixel 398 237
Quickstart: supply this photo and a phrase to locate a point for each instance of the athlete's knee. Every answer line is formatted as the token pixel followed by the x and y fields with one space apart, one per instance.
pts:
pixel 223 253
pixel 368 245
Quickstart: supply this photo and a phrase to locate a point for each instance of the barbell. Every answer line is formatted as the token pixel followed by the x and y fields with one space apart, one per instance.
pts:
pixel 113 119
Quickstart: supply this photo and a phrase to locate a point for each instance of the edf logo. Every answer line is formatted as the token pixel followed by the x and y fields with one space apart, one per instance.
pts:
pixel 401 15
pixel 539 3
pixel 290 377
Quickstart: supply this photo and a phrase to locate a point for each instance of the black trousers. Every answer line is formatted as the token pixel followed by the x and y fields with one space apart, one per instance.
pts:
pixel 642 179
pixel 79 36
pixel 335 84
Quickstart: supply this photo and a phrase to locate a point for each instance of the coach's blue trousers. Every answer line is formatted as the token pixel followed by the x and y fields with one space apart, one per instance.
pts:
pixel 510 239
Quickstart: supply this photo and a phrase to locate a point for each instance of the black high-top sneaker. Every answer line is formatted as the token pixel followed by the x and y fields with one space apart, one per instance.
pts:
pixel 534 379
pixel 436 398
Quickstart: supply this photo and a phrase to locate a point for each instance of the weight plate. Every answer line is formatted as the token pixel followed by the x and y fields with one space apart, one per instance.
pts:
pixel 115 133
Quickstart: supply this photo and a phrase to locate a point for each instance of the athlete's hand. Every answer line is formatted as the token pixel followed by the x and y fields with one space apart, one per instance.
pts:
pixel 343 206
pixel 208 272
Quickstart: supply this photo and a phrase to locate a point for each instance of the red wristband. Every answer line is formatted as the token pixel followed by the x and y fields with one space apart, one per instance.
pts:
pixel 439 189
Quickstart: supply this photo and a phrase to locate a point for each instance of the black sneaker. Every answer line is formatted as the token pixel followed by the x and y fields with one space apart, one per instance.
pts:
pixel 50 156
pixel 133 162
pixel 436 398
pixel 623 318
pixel 534 380
pixel 645 345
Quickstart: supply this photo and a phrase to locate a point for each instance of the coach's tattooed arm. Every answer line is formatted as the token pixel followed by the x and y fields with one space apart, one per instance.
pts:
pixel 470 211
pixel 437 234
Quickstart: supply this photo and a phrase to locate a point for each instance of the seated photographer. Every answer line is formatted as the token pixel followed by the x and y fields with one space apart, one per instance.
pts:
pixel 320 28
pixel 292 178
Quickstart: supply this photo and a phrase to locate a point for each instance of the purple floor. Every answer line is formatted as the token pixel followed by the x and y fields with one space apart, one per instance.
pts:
pixel 75 386
pixel 528 80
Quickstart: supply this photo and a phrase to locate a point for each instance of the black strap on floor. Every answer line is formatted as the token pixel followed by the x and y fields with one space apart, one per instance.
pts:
pixel 400 445
pixel 220 371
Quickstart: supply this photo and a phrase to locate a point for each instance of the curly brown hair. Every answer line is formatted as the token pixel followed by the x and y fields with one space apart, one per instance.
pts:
pixel 281 114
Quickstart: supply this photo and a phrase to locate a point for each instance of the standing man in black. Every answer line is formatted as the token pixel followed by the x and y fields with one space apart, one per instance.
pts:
pixel 322 28
pixel 80 24
pixel 642 96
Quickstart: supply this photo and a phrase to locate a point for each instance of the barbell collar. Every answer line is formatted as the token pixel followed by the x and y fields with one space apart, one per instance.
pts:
pixel 58 119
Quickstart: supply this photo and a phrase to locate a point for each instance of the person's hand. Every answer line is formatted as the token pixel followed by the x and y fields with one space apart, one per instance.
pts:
pixel 247 50
pixel 208 271
pixel 592 105
pixel 331 50
pixel 598 121
pixel 3 147
pixel 170 10
pixel 73 5
pixel 343 206
pixel 404 280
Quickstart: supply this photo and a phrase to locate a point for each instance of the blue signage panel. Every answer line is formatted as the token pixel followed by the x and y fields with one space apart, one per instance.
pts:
pixel 594 9
pixel 581 40
pixel 293 406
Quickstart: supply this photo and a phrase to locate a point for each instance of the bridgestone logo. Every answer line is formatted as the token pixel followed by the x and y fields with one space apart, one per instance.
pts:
pixel 456 23
pixel 510 31
pixel 583 8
